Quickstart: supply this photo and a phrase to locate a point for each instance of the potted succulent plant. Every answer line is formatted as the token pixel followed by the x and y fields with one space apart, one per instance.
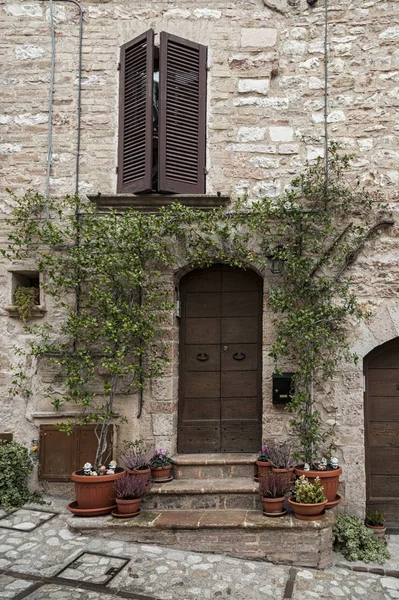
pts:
pixel 272 489
pixel 308 501
pixel 264 466
pixel 375 521
pixel 282 460
pixel 129 493
pixel 328 472
pixel 161 465
pixel 136 461
pixel 94 489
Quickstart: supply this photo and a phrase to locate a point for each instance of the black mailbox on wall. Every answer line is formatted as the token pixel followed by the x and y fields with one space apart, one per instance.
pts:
pixel 282 388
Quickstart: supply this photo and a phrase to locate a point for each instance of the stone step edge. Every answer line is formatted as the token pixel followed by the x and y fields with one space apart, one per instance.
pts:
pixel 242 485
pixel 193 460
pixel 199 519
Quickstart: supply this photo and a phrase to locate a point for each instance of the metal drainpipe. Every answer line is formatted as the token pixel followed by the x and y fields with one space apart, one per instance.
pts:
pixel 49 149
pixel 326 100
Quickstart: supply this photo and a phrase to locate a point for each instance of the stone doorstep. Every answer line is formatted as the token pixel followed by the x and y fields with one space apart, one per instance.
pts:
pixel 239 533
pixel 238 485
pixel 201 519
pixel 237 493
pixel 229 458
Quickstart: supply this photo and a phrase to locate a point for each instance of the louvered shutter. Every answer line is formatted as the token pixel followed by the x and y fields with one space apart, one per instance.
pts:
pixel 135 115
pixel 182 107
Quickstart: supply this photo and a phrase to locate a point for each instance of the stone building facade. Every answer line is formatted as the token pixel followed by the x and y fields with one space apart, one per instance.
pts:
pixel 265 118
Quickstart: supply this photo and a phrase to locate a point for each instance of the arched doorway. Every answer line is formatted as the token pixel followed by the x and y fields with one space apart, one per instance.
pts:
pixel 381 370
pixel 220 386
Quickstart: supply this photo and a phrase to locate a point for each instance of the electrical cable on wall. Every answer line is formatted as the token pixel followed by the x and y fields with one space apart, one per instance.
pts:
pixel 49 141
pixel 50 111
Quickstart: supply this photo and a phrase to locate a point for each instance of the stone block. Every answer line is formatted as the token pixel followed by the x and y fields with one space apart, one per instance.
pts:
pixel 251 134
pixel 281 133
pixel 257 86
pixel 258 37
pixel 163 424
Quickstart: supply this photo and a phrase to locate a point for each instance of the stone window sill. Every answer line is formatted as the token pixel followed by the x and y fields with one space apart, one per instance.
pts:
pixel 38 311
pixel 153 202
pixel 59 415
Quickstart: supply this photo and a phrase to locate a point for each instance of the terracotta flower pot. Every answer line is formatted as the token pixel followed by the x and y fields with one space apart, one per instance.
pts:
pixel 144 473
pixel 160 472
pixel 287 474
pixel 95 492
pixel 273 504
pixel 128 507
pixel 329 480
pixel 308 512
pixel 264 468
pixel 379 530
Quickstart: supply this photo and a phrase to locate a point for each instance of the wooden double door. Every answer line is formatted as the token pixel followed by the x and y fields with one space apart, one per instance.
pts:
pixel 382 429
pixel 220 399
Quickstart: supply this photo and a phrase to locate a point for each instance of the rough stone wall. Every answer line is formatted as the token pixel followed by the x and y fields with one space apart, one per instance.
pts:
pixel 265 119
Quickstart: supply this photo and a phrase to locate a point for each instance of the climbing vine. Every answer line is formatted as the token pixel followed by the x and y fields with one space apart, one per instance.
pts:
pixel 105 271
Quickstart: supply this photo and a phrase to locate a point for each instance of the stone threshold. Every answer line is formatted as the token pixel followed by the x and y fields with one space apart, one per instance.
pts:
pixel 200 519
pixel 237 485
pixel 214 459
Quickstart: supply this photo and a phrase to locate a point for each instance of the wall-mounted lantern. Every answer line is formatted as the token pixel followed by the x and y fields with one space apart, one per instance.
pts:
pixel 276 263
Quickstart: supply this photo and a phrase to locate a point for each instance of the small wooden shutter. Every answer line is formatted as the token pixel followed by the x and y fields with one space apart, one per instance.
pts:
pixel 182 126
pixel 135 115
pixel 61 454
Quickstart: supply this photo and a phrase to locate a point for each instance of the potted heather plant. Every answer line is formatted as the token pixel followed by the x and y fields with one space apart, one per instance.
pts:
pixel 161 465
pixel 272 489
pixel 263 463
pixel 136 460
pixel 309 501
pixel 375 521
pixel 129 493
pixel 282 460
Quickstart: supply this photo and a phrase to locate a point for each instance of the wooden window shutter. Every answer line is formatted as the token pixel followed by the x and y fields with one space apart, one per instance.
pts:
pixel 182 124
pixel 135 115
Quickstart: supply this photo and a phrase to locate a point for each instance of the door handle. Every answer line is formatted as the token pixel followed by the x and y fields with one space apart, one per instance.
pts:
pixel 202 356
pixel 239 356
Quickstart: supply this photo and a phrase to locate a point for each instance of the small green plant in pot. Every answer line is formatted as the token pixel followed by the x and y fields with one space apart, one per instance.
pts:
pixel 161 465
pixel 356 542
pixel 375 521
pixel 272 489
pixel 309 500
pixel 129 493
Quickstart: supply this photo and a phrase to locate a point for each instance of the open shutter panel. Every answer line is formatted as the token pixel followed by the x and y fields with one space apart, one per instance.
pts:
pixel 182 126
pixel 135 115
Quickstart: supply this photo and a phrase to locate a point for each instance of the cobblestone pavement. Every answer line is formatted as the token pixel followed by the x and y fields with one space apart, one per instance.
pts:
pixel 41 559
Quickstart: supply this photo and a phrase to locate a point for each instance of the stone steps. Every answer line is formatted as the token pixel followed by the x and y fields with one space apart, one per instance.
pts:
pixel 240 533
pixel 234 493
pixel 213 466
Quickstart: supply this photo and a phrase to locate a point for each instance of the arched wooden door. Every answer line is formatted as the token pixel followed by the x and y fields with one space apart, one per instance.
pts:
pixel 381 368
pixel 220 399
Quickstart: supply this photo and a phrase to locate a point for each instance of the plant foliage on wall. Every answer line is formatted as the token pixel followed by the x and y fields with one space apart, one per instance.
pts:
pixel 105 270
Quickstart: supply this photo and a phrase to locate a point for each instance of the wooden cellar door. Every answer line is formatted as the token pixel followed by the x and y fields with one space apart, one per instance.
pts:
pixel 220 400
pixel 382 430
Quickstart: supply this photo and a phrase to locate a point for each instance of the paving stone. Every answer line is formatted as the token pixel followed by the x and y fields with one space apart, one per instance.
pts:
pixel 171 574
pixel 11 587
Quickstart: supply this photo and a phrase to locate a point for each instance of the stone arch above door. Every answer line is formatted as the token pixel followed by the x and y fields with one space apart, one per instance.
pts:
pixel 381 409
pixel 220 374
